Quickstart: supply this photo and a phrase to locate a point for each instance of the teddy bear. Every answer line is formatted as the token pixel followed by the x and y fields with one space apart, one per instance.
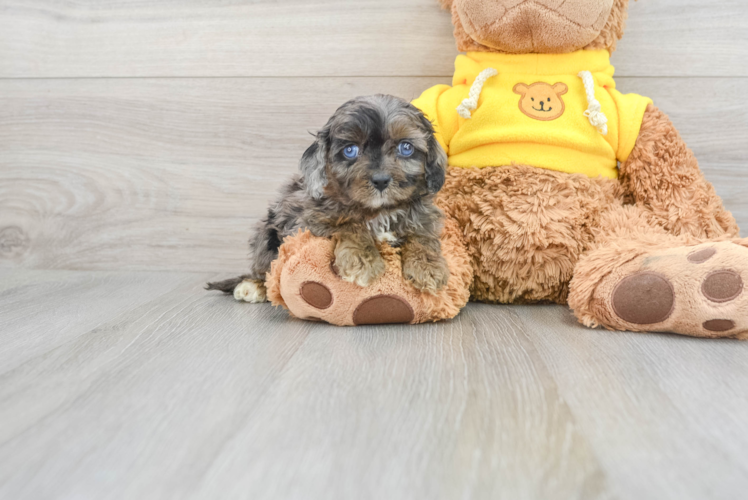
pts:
pixel 560 189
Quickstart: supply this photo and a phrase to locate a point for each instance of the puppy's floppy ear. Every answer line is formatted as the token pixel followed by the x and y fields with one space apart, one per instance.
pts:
pixel 312 165
pixel 436 166
pixel 436 159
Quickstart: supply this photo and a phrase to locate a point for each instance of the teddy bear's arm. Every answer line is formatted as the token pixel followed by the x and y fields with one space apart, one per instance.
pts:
pixel 662 175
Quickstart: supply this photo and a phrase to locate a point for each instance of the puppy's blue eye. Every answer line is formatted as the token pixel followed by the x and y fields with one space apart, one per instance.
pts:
pixel 351 151
pixel 406 149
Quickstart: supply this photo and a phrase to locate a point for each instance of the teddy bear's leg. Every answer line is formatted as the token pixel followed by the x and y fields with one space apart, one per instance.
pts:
pixel 663 177
pixel 304 280
pixel 638 277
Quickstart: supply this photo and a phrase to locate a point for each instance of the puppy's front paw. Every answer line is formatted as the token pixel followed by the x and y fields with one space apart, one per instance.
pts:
pixel 426 276
pixel 251 291
pixel 361 267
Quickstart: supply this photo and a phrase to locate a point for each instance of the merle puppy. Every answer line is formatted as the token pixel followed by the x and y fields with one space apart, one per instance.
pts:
pixel 371 175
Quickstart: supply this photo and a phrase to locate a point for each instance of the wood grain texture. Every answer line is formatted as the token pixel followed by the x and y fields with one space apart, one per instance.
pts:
pixel 197 396
pixel 125 38
pixel 192 395
pixel 475 417
pixel 649 403
pixel 224 38
pixel 69 304
pixel 172 173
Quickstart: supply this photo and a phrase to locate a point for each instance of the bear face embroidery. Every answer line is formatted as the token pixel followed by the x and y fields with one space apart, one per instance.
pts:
pixel 542 101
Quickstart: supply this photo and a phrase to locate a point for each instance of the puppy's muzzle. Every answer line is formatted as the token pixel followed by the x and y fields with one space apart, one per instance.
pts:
pixel 381 181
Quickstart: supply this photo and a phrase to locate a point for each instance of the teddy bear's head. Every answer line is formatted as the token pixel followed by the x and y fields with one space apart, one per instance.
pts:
pixel 537 26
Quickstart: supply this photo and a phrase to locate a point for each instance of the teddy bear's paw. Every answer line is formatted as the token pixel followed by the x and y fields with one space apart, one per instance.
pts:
pixel 697 291
pixel 313 289
pixel 426 276
pixel 251 291
pixel 383 310
pixel 309 284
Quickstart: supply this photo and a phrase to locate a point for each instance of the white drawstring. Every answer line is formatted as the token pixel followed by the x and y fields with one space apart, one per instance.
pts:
pixel 594 112
pixel 471 103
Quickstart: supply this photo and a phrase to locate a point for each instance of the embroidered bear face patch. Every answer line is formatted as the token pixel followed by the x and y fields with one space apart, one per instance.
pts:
pixel 542 101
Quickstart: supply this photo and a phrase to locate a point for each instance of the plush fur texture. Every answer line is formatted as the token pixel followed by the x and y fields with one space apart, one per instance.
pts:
pixel 662 175
pixel 379 193
pixel 525 228
pixel 306 259
pixel 675 209
pixel 614 28
pixel 540 26
pixel 543 26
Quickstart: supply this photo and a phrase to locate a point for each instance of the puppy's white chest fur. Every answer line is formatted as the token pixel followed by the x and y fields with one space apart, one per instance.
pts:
pixel 383 225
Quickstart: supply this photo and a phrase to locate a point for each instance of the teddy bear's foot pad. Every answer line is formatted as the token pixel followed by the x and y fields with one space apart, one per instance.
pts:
pixel 644 299
pixel 697 291
pixel 316 295
pixel 383 310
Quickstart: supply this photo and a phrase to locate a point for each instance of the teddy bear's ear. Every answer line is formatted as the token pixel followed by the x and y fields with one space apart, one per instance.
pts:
pixel 521 89
pixel 614 28
pixel 560 88
pixel 446 4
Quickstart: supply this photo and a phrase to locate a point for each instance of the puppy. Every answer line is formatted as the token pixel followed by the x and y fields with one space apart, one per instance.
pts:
pixel 371 175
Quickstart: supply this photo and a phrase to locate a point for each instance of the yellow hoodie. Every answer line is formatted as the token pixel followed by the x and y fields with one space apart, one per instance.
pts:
pixel 537 110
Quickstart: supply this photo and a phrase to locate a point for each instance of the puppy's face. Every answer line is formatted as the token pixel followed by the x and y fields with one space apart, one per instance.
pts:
pixel 376 151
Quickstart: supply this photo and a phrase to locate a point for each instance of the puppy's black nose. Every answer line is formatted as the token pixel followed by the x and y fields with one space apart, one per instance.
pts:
pixel 381 181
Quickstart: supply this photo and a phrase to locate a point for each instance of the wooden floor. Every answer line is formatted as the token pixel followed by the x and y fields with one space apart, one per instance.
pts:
pixel 138 143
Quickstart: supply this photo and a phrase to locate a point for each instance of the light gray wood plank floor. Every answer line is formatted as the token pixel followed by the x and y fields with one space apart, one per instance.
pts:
pixel 171 393
pixel 140 140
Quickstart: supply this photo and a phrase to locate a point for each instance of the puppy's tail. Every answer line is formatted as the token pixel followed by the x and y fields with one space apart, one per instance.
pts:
pixel 227 286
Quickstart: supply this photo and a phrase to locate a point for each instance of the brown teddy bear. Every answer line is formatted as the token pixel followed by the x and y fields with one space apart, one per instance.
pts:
pixel 563 189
